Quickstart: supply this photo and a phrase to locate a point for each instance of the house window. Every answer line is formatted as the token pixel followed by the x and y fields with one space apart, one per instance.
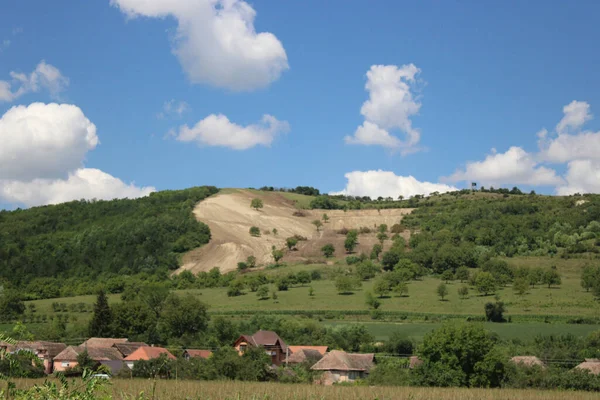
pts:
pixel 64 364
pixel 242 348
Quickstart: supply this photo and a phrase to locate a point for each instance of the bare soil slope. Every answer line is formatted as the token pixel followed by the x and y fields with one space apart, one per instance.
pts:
pixel 230 217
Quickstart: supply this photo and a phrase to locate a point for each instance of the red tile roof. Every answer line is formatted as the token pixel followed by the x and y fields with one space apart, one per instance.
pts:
pixel 102 342
pixel 263 338
pixel 148 353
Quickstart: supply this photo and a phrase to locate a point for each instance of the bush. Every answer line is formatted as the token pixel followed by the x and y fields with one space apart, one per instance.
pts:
pixel 254 231
pixel 494 312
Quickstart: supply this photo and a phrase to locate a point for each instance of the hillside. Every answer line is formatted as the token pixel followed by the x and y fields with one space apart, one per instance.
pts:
pixel 78 243
pixel 229 217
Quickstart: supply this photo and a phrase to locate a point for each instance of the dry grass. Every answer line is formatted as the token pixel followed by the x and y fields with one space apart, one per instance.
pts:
pixel 255 391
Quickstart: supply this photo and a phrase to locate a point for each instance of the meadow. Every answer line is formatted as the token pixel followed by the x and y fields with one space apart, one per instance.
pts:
pixel 415 315
pixel 230 390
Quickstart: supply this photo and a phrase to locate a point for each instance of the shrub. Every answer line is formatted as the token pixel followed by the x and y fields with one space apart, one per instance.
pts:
pixel 328 250
pixel 254 231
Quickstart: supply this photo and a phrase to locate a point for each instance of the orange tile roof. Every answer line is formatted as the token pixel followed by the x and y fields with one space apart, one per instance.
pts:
pixel 148 353
pixel 320 349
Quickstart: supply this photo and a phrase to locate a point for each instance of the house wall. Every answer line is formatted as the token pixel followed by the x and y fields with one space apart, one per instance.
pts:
pixel 335 376
pixel 60 366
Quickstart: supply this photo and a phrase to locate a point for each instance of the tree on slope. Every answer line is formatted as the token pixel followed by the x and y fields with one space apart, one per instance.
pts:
pixel 102 318
pixel 256 204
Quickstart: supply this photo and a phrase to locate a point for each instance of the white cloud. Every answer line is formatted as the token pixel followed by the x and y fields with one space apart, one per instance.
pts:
pixel 216 42
pixel 583 176
pixel 45 76
pixel 217 130
pixel 576 113
pixel 390 106
pixel 173 108
pixel 565 147
pixel 84 183
pixel 44 141
pixel 515 166
pixel 387 184
pixel 42 154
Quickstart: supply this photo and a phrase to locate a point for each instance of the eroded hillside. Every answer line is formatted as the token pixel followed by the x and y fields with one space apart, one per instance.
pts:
pixel 230 217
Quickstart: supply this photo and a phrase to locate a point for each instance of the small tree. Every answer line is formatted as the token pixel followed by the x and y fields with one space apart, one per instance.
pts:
pixel 381 286
pixel 328 250
pixel 102 318
pixel 262 293
pixel 346 284
pixel 462 274
pixel 521 285
pixel 382 228
pixel 318 224
pixel 485 283
pixel 350 243
pixel 291 242
pixel 254 231
pixel 325 218
pixel 311 291
pixel 552 278
pixel 536 275
pixel 371 301
pixel 382 237
pixel 275 232
pixel 277 255
pixel 235 289
pixel 251 262
pixel 589 277
pixel 463 292
pixel 494 312
pixel 401 289
pixel 256 204
pixel 447 276
pixel 242 266
pixel 442 290
pixel 377 249
pixel 274 295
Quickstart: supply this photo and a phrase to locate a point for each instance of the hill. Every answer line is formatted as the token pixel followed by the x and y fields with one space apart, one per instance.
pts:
pixel 230 218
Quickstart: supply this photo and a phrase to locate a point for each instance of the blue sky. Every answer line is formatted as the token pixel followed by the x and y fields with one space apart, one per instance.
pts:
pixel 488 78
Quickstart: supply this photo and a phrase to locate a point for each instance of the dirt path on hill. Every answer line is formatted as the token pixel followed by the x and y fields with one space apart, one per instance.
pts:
pixel 230 217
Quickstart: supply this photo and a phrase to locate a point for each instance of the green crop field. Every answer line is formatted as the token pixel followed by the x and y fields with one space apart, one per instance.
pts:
pixel 230 390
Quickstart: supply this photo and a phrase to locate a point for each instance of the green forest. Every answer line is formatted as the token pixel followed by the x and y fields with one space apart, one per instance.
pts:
pixel 66 249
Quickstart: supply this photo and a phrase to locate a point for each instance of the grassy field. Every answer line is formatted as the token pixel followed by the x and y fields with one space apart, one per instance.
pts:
pixel 567 301
pixel 126 389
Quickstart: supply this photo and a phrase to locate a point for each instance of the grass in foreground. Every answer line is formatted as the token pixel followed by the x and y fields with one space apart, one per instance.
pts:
pixel 176 390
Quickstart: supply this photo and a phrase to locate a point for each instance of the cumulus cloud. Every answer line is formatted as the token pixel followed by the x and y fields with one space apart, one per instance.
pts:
pixel 576 114
pixel 173 108
pixel 390 106
pixel 515 166
pixel 583 176
pixel 84 183
pixel 216 42
pixel 44 141
pixel 217 130
pixel 388 184
pixel 45 76
pixel 42 155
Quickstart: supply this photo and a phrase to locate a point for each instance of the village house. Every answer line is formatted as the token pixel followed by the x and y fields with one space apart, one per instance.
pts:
pixel 191 353
pixel 45 351
pixel 107 356
pixel 592 365
pixel 146 353
pixel 274 346
pixel 339 366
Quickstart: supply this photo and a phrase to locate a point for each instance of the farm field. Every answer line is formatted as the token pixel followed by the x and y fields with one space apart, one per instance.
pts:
pixel 230 390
